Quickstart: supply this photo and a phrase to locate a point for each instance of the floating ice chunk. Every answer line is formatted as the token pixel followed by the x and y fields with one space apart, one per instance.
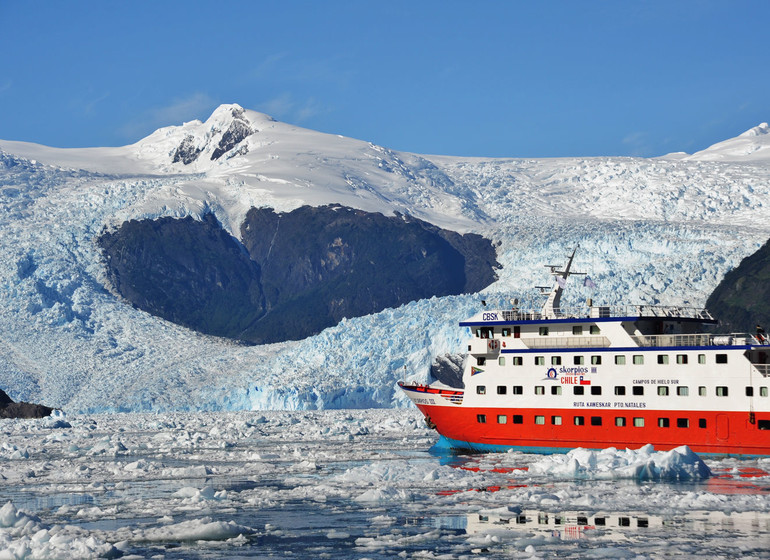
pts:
pixel 24 536
pixel 56 420
pixel 335 534
pixel 194 530
pixel 642 464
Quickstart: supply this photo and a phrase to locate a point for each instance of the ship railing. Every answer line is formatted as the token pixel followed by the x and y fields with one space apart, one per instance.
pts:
pixel 763 369
pixel 609 311
pixel 567 342
pixel 651 311
pixel 661 340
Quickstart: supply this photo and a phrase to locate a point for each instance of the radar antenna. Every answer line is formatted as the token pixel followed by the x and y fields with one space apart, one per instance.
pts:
pixel 551 307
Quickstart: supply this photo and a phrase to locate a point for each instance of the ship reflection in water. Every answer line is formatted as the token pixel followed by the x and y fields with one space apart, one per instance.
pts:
pixel 614 526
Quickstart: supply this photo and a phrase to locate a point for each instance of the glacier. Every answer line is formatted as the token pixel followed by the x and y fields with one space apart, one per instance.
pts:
pixel 649 230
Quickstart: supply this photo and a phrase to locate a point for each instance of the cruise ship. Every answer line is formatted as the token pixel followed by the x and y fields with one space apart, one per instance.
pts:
pixel 554 379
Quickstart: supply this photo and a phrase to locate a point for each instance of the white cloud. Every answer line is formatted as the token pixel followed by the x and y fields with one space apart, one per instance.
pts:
pixel 285 107
pixel 197 105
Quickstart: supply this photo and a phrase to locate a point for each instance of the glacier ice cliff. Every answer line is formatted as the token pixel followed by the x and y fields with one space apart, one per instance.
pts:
pixel 660 230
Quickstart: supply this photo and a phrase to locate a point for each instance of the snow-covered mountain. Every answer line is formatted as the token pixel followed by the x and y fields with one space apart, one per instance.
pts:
pixel 653 230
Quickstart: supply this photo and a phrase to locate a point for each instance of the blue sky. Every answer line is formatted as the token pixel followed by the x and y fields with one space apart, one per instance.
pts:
pixel 481 78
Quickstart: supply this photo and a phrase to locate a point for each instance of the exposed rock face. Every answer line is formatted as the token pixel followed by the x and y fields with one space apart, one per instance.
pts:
pixel 238 130
pixel 742 298
pixel 307 270
pixel 189 272
pixel 10 409
pixel 186 152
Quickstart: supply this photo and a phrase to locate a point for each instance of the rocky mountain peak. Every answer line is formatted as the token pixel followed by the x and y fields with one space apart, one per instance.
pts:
pixel 223 134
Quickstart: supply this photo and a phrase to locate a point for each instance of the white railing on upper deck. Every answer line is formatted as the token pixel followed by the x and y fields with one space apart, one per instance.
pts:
pixel 764 369
pixel 704 339
pixel 609 311
pixel 567 342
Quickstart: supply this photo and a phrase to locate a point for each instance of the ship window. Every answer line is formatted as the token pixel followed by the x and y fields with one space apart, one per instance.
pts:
pixel 539 390
pixel 516 332
pixel 721 391
pixel 539 360
pixel 557 520
pixel 481 390
pixel 556 420
pixel 543 331
pixel 638 360
pixel 701 391
pixel 620 421
pixel 595 329
pixel 555 360
pixel 481 418
pixel 501 361
pixel 701 422
pixel 481 361
pixel 596 390
pixel 582 520
pixel 682 422
pixel 681 358
pixel 502 389
pixel 600 521
pixel 518 419
pixel 637 390
pixel 620 360
pixel 577 330
pixel 638 422
pixel 721 358
pixel 502 419
pixel 578 360
pixel 701 358
pixel 579 421
pixel 662 391
pixel 506 331
pixel 542 519
pixel 624 521
pixel 596 420
pixel 518 390
pixel 662 358
pixel 596 360
pixel 620 390
pixel 518 361
pixel 763 391
pixel 763 424
pixel 539 420
pixel 682 391
pixel 642 522
pixel 662 422
pixel 749 391
pixel 578 390
pixel 556 389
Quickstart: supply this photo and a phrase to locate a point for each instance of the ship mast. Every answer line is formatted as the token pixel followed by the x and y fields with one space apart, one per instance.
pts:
pixel 551 307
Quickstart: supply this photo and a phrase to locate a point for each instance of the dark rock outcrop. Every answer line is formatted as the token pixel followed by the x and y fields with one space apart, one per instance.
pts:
pixel 238 130
pixel 186 152
pixel 10 409
pixel 742 298
pixel 190 272
pixel 307 270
